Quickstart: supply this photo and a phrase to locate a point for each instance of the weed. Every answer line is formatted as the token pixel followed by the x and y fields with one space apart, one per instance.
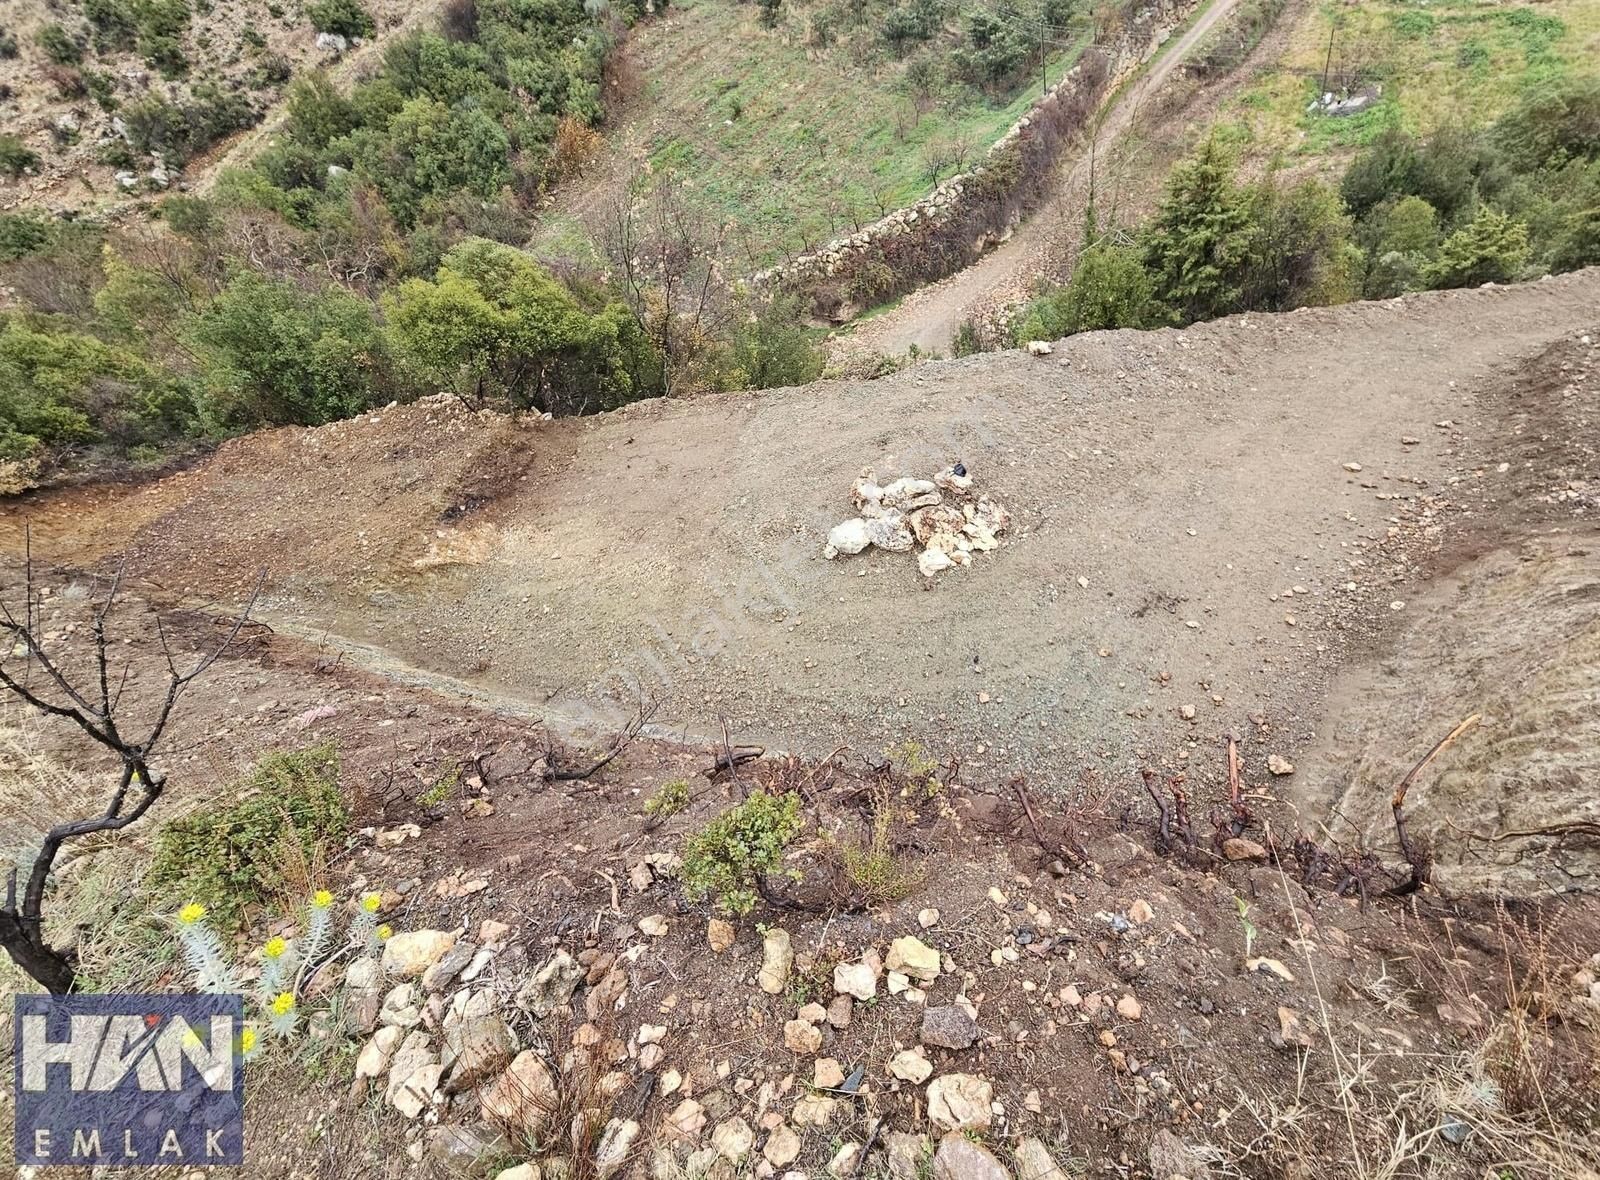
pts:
pixel 669 799
pixel 878 873
pixel 255 850
pixel 438 794
pixel 727 856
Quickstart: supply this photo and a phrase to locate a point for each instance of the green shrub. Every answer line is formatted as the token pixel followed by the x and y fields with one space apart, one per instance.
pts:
pixel 161 26
pixel 725 857
pixel 290 811
pixel 8 45
pixel 22 234
pixel 114 24
pixel 180 131
pixel 1491 248
pixel 669 799
pixel 16 157
pixel 346 18
pixel 59 45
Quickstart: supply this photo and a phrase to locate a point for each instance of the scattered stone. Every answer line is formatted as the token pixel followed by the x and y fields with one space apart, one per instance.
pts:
pixel 491 932
pixel 414 1095
pixel 687 1120
pixel 363 981
pixel 602 997
pixel 957 1101
pixel 475 1049
pixel 1170 1158
pixel 959 1158
pixel 527 1171
pixel 814 1110
pixel 855 979
pixel 849 536
pixel 928 918
pixel 826 1074
pixel 439 976
pixel 733 1138
pixel 800 1036
pixel 1141 912
pixel 911 1065
pixel 1239 848
pixel 1269 967
pixel 616 1141
pixel 1292 1030
pixel 720 935
pixel 812 1013
pixel 949 1027
pixel 1352 467
pixel 1279 765
pixel 905 1153
pixel 777 960
pixel 1034 1161
pixel 914 958
pixel 464 1148
pixel 844 1160
pixel 1040 348
pixel 409 954
pixel 782 1147
pixel 414 1052
pixel 522 1098
pixel 1129 1008
pixel 1186 712
pixel 551 986
pixel 375 1054
pixel 840 1011
pixel 653 925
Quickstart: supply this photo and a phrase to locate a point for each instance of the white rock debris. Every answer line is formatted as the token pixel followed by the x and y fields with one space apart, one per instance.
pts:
pixel 943 519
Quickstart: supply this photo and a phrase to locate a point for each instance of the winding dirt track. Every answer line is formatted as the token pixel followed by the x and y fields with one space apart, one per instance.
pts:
pixel 929 318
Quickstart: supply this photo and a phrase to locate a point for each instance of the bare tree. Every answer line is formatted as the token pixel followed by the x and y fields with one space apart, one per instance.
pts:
pixel 43 684
pixel 667 254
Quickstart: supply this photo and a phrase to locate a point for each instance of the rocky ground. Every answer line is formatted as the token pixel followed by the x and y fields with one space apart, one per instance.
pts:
pixel 1076 998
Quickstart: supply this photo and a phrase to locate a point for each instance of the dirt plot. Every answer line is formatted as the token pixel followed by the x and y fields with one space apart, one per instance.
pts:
pixel 1193 553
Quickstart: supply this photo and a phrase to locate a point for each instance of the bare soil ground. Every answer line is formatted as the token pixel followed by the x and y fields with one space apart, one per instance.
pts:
pixel 1196 482
pixel 1403 1007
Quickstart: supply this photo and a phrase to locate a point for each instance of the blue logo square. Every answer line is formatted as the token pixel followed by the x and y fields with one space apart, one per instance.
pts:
pixel 129 1080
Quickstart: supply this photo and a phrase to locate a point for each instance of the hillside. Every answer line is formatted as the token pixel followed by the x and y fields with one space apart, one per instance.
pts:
pixel 1168 491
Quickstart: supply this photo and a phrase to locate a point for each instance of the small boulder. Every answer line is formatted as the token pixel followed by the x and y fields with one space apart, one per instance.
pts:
pixel 1238 848
pixel 959 1158
pixel 777 960
pixel 855 979
pixel 616 1141
pixel 475 1049
pixel 719 935
pixel 913 957
pixel 959 1101
pixel 1172 1158
pixel 415 1094
pixel 522 1098
pixel 1278 765
pixel 733 1139
pixel 848 536
pixel 408 955
pixel 800 1036
pixel 464 1148
pixel 551 986
pixel 911 1065
pixel 948 1026
pixel 1034 1161
pixel 782 1147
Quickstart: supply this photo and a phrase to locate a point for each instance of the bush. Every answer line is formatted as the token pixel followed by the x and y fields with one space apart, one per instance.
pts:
pixel 1491 248
pixel 727 855
pixel 59 45
pixel 161 26
pixel 22 234
pixel 1109 288
pixel 114 24
pixel 497 327
pixel 237 855
pixel 277 355
pixel 180 131
pixel 346 18
pixel 771 347
pixel 15 157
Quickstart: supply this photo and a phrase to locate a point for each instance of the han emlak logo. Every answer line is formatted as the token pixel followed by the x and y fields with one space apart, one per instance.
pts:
pixel 129 1079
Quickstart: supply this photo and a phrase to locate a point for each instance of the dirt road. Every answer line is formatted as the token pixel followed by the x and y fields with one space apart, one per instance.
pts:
pixel 1188 536
pixel 929 318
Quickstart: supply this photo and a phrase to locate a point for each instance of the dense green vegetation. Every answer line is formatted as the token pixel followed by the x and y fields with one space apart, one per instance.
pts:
pixel 368 255
pixel 1512 201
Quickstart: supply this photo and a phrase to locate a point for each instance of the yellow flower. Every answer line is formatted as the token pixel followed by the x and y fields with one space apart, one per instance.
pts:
pixel 322 899
pixel 385 931
pixel 247 1040
pixel 371 902
pixel 274 948
pixel 191 913
pixel 282 1004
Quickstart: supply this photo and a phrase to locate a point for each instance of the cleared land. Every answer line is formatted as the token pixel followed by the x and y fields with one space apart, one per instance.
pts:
pixel 1191 479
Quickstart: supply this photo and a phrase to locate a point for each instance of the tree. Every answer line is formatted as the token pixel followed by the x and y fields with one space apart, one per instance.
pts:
pixel 93 703
pixel 431 150
pixel 493 325
pixel 275 354
pixel 666 256
pixel 1198 246
pixel 771 347
pixel 1491 248
pixel 1109 288
pixel 1302 254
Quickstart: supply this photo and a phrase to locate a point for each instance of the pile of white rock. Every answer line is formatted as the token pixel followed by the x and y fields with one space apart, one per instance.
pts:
pixel 943 517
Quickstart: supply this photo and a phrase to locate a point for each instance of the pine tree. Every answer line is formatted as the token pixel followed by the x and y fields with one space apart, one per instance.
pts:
pixel 1198 247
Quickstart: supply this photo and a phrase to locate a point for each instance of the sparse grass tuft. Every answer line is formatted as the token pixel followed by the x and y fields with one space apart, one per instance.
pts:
pixel 256 851
pixel 669 799
pixel 878 873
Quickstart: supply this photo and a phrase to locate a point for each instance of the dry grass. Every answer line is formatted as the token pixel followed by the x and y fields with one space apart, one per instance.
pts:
pixel 1519 1103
